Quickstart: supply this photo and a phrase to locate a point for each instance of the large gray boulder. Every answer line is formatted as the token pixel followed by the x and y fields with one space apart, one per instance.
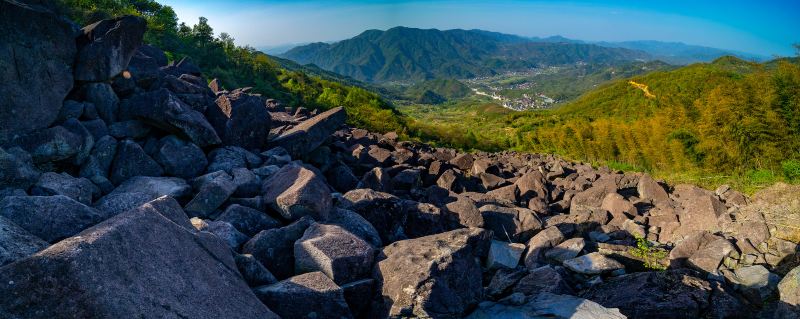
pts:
pixel 138 264
pixel 310 295
pixel 79 189
pixel 274 248
pixel 107 46
pixel 310 134
pixel 335 252
pixel 166 111
pixel 35 67
pixel 139 190
pixel 51 218
pixel 435 276
pixel 131 160
pixel 510 224
pixel 17 243
pixel 296 191
pixel 666 294
pixel 241 119
pixel 180 158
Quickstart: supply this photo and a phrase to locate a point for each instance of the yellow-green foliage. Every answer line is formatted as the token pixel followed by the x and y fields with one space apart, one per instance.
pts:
pixel 652 257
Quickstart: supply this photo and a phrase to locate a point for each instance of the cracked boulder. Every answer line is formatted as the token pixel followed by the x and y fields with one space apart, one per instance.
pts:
pixel 296 191
pixel 335 252
pixel 432 276
pixel 136 264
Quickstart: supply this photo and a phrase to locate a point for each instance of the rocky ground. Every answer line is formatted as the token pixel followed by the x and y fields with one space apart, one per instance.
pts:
pixel 130 187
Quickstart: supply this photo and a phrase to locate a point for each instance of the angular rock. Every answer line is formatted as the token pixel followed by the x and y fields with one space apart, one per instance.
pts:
pixel 274 248
pixel 241 120
pixel 334 251
pixel 79 189
pixel 295 191
pixel 225 231
pixel 545 239
pixel 593 264
pixel 341 178
pixel 435 275
pixel 139 190
pixel 377 179
pixel 566 250
pixel 510 224
pixel 51 218
pixel 106 47
pixel 101 158
pixel 17 243
pixel 503 280
pixel 649 189
pixel 247 220
pixel 164 110
pixel 789 288
pixel 130 161
pixel 547 305
pixel 756 282
pixel 544 279
pixel 52 144
pixel 666 294
pixel 253 271
pixel 16 169
pixel 211 196
pixel 310 134
pixel 463 161
pixel 618 206
pixel 230 157
pixel 310 295
pixel 382 210
pixel 105 101
pixel 709 257
pixel 504 254
pixel 35 67
pixel 356 225
pixel 108 271
pixel 180 158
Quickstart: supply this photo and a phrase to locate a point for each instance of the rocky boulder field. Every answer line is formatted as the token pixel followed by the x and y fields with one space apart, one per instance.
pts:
pixel 132 187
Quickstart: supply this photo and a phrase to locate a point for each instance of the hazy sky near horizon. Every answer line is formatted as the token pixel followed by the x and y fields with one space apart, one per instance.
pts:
pixel 761 27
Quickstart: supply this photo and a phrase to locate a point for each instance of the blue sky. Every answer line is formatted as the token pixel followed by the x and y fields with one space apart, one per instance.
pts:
pixel 762 27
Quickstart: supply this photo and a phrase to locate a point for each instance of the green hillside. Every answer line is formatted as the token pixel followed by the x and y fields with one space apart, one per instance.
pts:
pixel 403 54
pixel 237 66
pixel 726 119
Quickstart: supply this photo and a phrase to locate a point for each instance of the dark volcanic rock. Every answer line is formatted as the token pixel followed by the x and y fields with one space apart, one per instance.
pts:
pixel 132 161
pixel 435 276
pixel 310 134
pixel 253 271
pixel 16 169
pixel 107 46
pixel 51 218
pixel 211 195
pixel 248 220
pixel 164 110
pixel 180 158
pixel 355 224
pixel 35 67
pixel 105 101
pixel 296 191
pixel 51 144
pixel 335 252
pixel 274 248
pixel 79 189
pixel 17 243
pixel 119 268
pixel 667 294
pixel 139 190
pixel 382 210
pixel 514 224
pixel 311 295
pixel 241 120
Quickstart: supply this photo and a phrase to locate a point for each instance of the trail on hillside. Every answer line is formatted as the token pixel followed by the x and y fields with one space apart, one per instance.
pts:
pixel 644 89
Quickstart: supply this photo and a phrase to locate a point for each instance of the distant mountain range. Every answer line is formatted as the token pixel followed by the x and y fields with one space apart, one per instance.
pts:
pixel 410 54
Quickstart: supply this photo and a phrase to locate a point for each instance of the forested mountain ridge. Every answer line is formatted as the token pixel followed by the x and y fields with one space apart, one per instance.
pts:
pixel 409 54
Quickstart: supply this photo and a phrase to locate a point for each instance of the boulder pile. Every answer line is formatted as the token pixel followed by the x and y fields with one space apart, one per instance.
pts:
pixel 131 187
